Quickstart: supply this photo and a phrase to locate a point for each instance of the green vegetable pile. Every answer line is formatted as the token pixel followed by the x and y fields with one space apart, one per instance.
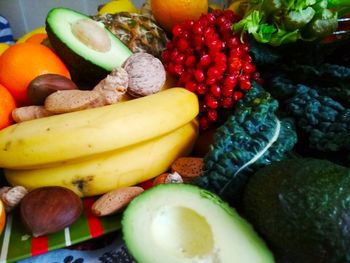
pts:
pixel 278 22
pixel 312 84
pixel 252 137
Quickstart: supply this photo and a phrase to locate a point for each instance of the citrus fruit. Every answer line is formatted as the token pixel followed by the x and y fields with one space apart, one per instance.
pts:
pixel 7 105
pixel 22 62
pixel 171 12
pixel 37 38
pixel 39 30
pixel 3 47
pixel 117 6
pixel 2 216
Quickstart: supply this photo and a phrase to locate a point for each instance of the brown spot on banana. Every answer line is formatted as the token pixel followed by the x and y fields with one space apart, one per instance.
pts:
pixel 82 184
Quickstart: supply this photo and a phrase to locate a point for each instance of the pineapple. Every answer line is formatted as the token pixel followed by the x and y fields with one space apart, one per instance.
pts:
pixel 140 33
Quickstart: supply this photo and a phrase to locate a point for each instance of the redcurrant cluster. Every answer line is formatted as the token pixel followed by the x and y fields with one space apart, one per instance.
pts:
pixel 210 60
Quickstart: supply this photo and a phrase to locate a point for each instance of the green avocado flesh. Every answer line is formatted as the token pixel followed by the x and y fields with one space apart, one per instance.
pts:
pixel 85 64
pixel 179 223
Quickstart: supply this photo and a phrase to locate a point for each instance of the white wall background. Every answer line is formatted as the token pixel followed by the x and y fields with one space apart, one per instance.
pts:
pixel 25 15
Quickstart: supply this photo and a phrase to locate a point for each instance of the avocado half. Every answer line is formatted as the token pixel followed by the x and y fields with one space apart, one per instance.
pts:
pixel 87 66
pixel 180 223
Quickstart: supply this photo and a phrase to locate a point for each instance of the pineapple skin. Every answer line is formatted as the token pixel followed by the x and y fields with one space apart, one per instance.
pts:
pixel 139 32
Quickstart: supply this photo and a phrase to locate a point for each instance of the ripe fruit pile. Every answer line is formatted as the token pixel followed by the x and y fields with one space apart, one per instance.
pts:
pixel 211 61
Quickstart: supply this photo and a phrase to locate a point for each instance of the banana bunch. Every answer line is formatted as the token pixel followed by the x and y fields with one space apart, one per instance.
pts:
pixel 97 150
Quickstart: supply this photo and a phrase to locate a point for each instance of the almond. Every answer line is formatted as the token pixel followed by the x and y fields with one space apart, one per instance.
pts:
pixel 114 201
pixel 188 167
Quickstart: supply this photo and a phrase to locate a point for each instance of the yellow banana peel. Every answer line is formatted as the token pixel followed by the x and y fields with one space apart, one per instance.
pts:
pixel 114 169
pixel 60 138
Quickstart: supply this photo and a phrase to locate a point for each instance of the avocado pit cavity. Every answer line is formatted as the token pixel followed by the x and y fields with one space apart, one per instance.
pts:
pixel 176 229
pixel 91 34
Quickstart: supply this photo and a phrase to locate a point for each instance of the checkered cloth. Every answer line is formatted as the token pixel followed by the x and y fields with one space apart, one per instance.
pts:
pixel 5 31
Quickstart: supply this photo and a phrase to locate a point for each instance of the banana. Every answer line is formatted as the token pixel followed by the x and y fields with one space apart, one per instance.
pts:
pixel 59 138
pixel 111 170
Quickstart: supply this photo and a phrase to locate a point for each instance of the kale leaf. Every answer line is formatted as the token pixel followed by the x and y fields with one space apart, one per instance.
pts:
pixel 325 121
pixel 254 136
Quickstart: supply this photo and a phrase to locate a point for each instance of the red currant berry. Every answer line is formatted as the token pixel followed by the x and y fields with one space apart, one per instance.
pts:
pixel 245 85
pixel 233 42
pixel 190 61
pixel 197 28
pixel 236 52
pixel 187 24
pixel 248 67
pixel 177 30
pixel 205 60
pixel 227 91
pixel 237 95
pixel 180 59
pixel 178 69
pixel 213 73
pixel 235 65
pixel 166 56
pixel 230 82
pixel 227 103
pixel 199 75
pixel 210 81
pixel 204 122
pixel 182 44
pixel 215 90
pixel 212 115
pixel 220 58
pixel 210 18
pixel 170 68
pixel 185 77
pixel 191 86
pixel 216 45
pixel 201 88
pixel 211 101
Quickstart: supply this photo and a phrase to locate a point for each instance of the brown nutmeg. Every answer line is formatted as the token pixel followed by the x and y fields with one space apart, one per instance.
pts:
pixel 43 85
pixel 49 209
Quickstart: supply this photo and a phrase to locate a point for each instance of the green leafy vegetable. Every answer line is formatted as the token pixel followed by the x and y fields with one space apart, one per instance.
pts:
pixel 278 22
pixel 325 121
pixel 252 137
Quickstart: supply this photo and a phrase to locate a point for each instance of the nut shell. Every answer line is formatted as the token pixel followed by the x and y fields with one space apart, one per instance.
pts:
pixel 43 85
pixel 146 74
pixel 114 201
pixel 49 209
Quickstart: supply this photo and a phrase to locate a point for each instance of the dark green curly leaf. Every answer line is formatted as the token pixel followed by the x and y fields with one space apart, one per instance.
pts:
pixel 325 121
pixel 252 137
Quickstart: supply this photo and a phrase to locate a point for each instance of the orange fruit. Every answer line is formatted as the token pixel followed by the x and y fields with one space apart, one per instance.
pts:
pixel 36 38
pixel 29 34
pixel 21 63
pixel 7 105
pixel 2 216
pixel 171 12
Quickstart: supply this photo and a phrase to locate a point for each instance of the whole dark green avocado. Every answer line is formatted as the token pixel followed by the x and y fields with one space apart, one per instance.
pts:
pixel 302 209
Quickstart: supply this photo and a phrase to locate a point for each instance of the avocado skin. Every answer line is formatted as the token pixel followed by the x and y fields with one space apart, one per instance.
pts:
pixel 301 208
pixel 83 72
